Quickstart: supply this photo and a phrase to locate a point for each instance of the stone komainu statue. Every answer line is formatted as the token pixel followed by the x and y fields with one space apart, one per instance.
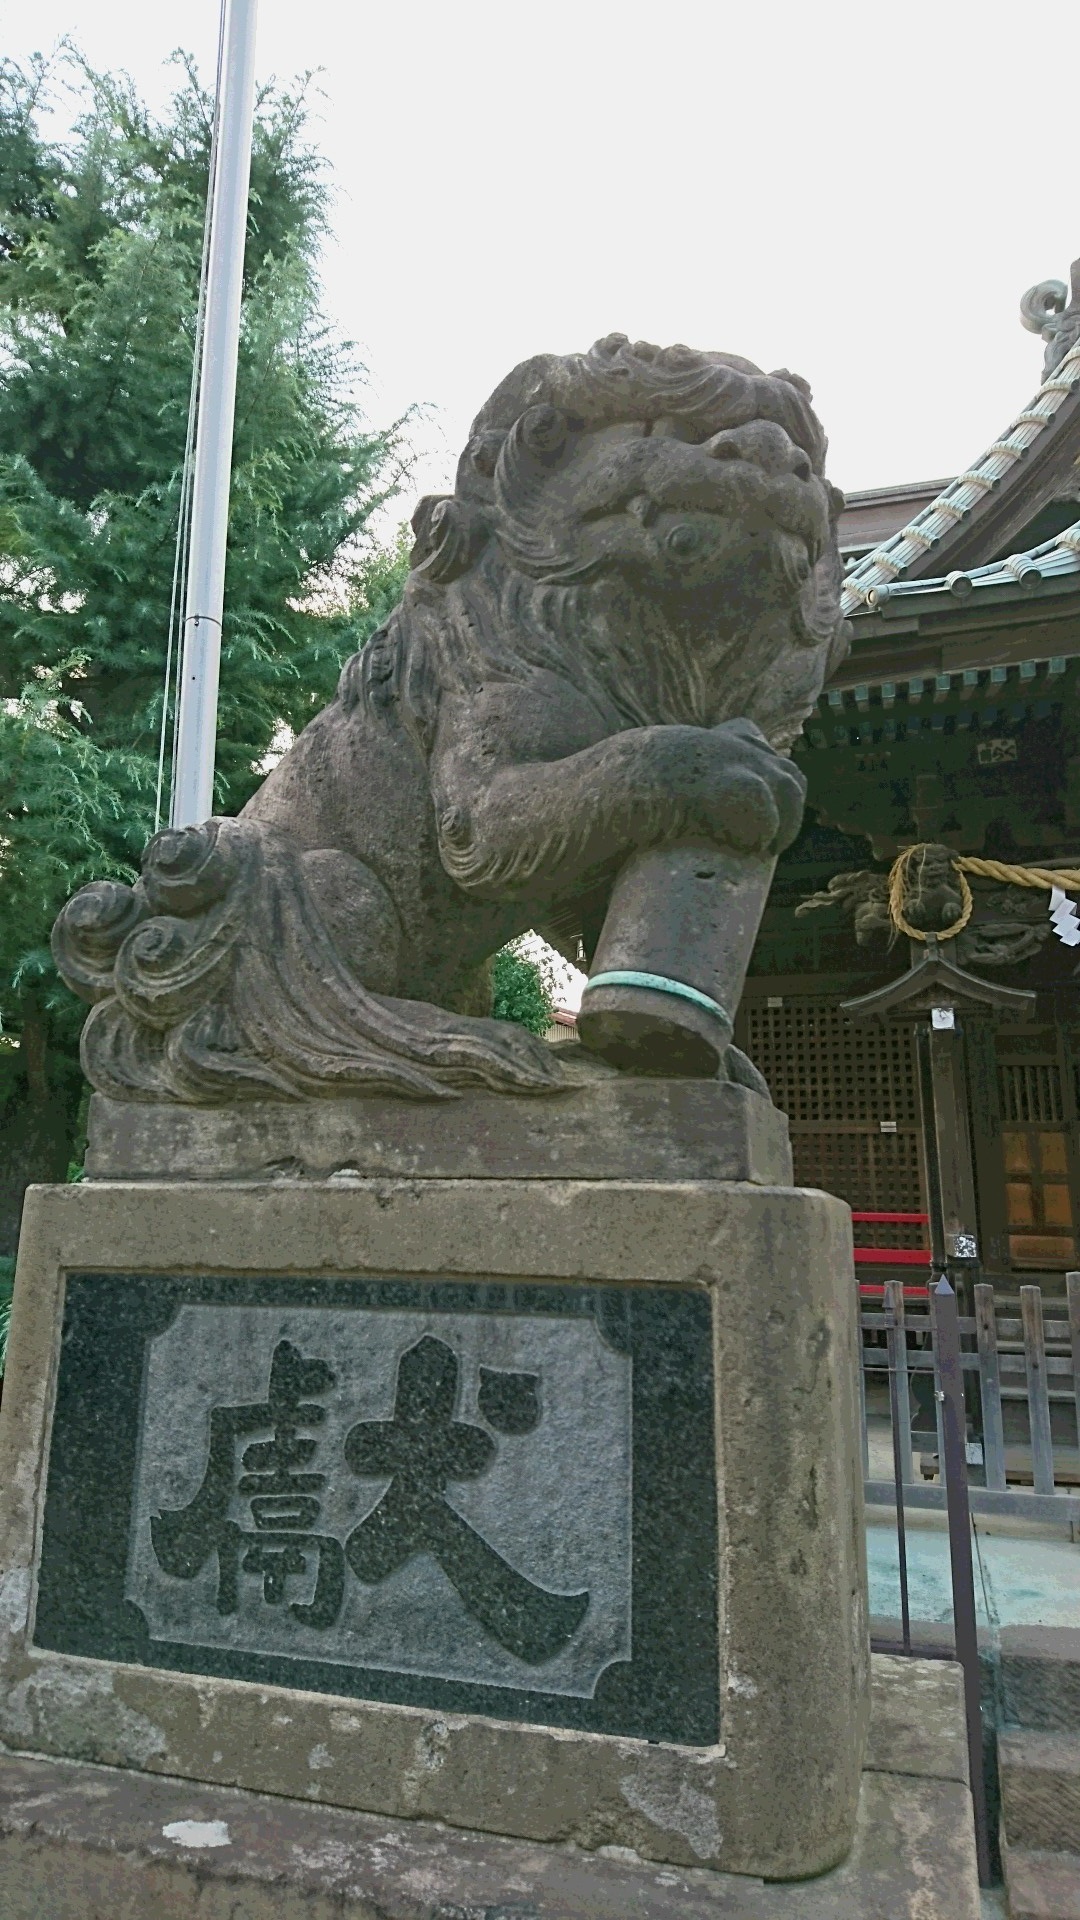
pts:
pixel 611 633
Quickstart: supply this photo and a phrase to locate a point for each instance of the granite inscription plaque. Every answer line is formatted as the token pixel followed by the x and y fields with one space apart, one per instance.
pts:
pixel 423 1504
pixel 465 1495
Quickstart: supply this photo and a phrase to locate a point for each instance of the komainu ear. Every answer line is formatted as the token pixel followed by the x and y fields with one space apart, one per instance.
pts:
pixel 533 446
pixel 449 535
pixel 477 466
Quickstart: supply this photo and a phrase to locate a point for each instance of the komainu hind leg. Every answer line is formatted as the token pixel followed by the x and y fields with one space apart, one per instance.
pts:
pixel 359 916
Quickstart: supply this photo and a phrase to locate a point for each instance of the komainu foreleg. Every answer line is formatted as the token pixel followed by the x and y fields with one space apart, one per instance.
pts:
pixel 547 824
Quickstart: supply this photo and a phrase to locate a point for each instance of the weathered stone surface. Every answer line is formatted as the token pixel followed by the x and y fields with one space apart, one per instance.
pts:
pixel 686 914
pixel 611 634
pixel 914 1856
pixel 87 1843
pixel 1040 1789
pixel 1041 1885
pixel 917 1724
pixel 603 1126
pixel 1040 1677
pixel 775 1794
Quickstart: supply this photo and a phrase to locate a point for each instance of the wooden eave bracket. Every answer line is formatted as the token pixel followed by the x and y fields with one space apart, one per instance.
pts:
pixel 934 981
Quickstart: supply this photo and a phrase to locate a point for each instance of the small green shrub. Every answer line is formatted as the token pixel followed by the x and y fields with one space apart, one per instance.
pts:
pixel 519 991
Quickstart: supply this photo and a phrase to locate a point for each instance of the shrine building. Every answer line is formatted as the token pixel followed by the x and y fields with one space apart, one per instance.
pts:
pixel 952 728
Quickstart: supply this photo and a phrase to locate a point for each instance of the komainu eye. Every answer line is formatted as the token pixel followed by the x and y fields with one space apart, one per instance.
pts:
pixel 683 540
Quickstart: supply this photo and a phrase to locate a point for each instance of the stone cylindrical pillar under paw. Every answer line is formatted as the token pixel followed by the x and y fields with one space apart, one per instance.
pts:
pixel 669 968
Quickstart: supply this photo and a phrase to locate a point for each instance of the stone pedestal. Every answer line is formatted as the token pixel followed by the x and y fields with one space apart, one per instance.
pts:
pixel 600 1125
pixel 529 1505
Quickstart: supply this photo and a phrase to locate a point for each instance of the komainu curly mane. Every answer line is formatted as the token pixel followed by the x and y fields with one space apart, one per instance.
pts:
pixel 610 635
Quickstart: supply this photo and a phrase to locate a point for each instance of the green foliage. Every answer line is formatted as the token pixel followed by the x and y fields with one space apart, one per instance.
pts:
pixel 375 587
pixel 100 241
pixel 519 991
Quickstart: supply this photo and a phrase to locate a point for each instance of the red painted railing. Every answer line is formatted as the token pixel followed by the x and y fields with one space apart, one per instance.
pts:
pixel 891 1256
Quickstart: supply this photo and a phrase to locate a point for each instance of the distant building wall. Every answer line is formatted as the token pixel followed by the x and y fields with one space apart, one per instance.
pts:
pixel 563 1027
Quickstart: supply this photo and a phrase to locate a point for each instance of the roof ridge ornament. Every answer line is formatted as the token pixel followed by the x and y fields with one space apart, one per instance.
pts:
pixel 1052 310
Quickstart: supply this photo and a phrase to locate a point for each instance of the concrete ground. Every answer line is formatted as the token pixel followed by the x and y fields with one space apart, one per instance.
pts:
pixel 1025 1574
pixel 1022 1578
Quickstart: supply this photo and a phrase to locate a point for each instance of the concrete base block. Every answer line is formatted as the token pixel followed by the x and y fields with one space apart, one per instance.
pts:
pixel 90 1843
pixel 1040 1789
pixel 624 1604
pixel 602 1125
pixel 1041 1885
pixel 1040 1677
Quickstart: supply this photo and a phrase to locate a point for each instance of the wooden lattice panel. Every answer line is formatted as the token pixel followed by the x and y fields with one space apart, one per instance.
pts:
pixel 821 1066
pixel 838 1080
pixel 1031 1092
pixel 873 1172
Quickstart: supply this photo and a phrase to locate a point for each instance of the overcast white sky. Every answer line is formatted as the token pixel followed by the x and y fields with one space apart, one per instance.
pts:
pixel 860 192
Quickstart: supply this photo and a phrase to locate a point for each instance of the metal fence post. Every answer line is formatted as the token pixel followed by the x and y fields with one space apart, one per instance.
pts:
pixel 954 1435
pixel 900 1422
pixel 864 1428
pixel 1072 1291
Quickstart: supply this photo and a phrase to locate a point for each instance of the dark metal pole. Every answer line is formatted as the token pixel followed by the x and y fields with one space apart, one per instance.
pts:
pixel 894 1333
pixel 950 1373
pixel 934 1203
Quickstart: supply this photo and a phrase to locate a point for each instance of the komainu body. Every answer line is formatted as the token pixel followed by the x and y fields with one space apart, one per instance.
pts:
pixel 611 633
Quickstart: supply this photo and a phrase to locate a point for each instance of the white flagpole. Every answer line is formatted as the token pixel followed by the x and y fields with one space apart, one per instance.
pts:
pixel 193 771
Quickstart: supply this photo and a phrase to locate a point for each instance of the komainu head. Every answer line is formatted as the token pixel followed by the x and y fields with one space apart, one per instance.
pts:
pixel 677 494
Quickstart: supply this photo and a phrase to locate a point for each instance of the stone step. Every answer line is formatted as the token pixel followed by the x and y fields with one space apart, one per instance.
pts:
pixel 1040 1677
pixel 1040 1789
pixel 91 1843
pixel 1041 1885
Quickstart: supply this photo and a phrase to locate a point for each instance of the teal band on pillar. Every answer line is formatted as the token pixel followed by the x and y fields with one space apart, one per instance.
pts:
pixel 659 983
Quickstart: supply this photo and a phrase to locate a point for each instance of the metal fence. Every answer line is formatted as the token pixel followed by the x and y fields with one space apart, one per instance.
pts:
pixel 1021 1378
pixel 983 1418
pixel 930 1346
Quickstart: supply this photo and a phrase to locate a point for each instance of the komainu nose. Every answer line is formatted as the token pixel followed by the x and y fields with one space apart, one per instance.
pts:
pixel 764 444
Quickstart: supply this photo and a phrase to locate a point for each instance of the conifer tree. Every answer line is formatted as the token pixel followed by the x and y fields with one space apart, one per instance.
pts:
pixel 100 242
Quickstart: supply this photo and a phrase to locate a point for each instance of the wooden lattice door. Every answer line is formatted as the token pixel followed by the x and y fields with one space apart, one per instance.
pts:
pixel 850 1091
pixel 1035 1141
